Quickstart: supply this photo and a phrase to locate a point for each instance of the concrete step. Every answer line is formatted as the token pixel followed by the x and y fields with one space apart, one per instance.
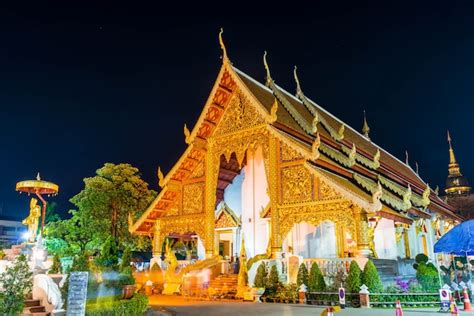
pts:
pixel 30 303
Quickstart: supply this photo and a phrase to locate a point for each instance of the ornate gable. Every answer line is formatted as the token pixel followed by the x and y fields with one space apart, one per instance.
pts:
pixel 239 115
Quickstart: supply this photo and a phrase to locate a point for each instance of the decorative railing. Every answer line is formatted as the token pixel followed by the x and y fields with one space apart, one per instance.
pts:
pixel 330 266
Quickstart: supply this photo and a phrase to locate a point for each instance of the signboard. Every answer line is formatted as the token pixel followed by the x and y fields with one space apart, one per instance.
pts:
pixel 77 293
pixel 342 297
pixel 444 295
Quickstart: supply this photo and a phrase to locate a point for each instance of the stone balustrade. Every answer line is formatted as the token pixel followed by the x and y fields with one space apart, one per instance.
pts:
pixel 329 266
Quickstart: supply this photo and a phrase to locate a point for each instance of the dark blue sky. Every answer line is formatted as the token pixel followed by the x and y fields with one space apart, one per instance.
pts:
pixel 83 86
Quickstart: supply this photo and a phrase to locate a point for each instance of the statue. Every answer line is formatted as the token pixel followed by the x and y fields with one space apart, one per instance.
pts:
pixel 32 220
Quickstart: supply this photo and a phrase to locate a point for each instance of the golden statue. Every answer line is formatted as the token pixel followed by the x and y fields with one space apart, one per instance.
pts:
pixel 32 220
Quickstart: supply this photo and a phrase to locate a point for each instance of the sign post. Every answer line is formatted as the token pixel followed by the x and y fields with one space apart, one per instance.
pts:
pixel 342 297
pixel 77 293
pixel 444 295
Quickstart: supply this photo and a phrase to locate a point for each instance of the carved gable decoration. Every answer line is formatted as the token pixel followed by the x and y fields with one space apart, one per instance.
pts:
pixel 225 220
pixel 198 171
pixel 239 115
pixel 288 154
pixel 193 198
pixel 297 184
pixel 325 192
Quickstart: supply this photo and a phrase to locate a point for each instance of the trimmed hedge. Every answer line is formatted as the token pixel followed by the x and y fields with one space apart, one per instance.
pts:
pixel 302 277
pixel 136 306
pixel 371 278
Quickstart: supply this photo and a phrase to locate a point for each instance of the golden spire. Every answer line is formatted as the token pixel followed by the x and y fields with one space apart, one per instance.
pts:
pixel 38 177
pixel 269 77
pixel 224 50
pixel 365 127
pixel 452 158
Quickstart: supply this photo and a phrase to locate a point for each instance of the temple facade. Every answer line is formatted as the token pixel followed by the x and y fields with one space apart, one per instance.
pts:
pixel 282 173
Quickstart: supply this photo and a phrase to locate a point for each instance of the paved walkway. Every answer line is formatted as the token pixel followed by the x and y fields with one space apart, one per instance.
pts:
pixel 213 308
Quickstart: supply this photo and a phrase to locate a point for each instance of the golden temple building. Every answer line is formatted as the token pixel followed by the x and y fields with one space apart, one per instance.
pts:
pixel 280 170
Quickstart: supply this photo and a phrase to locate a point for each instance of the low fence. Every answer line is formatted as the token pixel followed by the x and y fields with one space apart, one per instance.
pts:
pixel 376 299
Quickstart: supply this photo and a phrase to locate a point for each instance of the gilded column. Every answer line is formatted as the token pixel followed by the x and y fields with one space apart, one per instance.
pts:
pixel 212 168
pixel 362 226
pixel 273 185
pixel 340 240
pixel 406 241
pixel 157 244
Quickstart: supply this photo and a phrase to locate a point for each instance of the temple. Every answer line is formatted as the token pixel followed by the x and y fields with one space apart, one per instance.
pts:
pixel 281 171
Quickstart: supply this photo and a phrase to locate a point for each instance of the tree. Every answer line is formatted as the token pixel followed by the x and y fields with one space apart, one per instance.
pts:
pixel 302 277
pixel 316 281
pixel 108 199
pixel 126 258
pixel 261 276
pixel 371 278
pixel 353 280
pixel 273 279
pixel 108 257
pixel 56 267
pixel 16 282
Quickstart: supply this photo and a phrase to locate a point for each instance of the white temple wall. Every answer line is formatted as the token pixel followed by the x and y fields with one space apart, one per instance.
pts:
pixel 201 251
pixel 385 240
pixel 311 241
pixel 254 199
pixel 233 194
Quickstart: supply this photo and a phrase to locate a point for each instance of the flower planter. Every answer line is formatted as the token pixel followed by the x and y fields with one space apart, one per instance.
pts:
pixel 128 291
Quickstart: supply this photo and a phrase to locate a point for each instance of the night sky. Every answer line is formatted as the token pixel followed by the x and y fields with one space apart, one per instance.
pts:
pixel 83 86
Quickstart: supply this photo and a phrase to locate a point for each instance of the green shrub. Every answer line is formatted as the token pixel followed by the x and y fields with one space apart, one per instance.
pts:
pixel 16 282
pixel 261 276
pixel 288 292
pixel 353 280
pixel 273 280
pixel 302 277
pixel 427 276
pixel 371 278
pixel 419 259
pixel 316 281
pixel 136 306
pixel 56 267
pixel 108 257
pixel 2 254
pixel 126 258
pixel 126 277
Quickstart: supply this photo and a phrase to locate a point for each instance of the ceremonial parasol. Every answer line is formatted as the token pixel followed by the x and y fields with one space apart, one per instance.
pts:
pixel 39 188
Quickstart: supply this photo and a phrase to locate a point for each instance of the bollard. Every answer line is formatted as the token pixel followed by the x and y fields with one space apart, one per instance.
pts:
pixel 302 293
pixel 364 296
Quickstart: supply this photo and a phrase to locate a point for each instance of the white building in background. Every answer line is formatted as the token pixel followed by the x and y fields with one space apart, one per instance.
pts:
pixel 11 231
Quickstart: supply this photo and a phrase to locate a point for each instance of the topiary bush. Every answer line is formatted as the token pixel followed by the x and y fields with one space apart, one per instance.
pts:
pixel 273 280
pixel 316 281
pixel 354 278
pixel 371 278
pixel 426 273
pixel 56 267
pixel 108 257
pixel 261 276
pixel 302 277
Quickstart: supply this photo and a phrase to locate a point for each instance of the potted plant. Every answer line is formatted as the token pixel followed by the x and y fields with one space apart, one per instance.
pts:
pixel 260 282
pixel 127 281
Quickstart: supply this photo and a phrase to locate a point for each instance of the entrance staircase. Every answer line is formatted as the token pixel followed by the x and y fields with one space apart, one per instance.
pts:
pixel 224 286
pixel 34 308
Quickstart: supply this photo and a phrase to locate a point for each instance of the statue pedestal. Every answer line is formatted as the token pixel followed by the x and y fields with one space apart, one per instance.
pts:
pixel 171 288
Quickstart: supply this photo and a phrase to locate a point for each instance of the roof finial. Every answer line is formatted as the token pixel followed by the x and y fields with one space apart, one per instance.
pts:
pixel 452 158
pixel 406 158
pixel 269 77
pixel 416 167
pixel 224 50
pixel 365 127
pixel 38 176
pixel 299 92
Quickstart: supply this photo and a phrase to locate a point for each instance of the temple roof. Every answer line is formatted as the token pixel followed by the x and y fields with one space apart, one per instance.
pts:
pixel 296 115
pixel 352 159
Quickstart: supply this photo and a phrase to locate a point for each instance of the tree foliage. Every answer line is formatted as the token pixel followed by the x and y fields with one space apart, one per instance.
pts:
pixel 16 282
pixel 353 280
pixel 302 277
pixel 316 281
pixel 56 267
pixel 371 278
pixel 126 258
pixel 103 209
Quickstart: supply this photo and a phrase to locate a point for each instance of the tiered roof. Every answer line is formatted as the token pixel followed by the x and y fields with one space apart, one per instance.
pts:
pixel 346 156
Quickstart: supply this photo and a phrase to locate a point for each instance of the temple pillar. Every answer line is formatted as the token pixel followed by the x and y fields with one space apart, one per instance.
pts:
pixel 157 244
pixel 211 173
pixel 273 184
pixel 340 240
pixel 362 228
